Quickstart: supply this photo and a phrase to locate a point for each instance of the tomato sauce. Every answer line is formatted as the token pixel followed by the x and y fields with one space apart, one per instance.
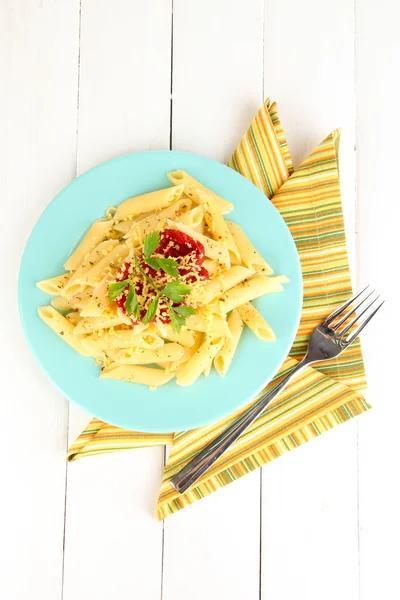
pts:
pixel 173 244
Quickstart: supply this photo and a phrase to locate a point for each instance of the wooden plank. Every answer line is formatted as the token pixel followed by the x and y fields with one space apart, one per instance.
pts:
pixel 38 74
pixel 309 71
pixel 309 507
pixel 377 59
pixel 212 548
pixel 113 541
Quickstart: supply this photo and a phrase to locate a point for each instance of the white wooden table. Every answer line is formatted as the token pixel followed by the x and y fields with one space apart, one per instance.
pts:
pixel 83 81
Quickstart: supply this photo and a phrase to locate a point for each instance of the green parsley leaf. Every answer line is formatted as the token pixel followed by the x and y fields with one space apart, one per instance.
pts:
pixel 177 322
pixel 151 311
pixel 151 243
pixel 169 266
pixel 131 303
pixel 153 263
pixel 184 311
pixel 115 289
pixel 176 291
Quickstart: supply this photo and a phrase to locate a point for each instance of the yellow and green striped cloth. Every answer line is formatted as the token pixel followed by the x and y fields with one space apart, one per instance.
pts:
pixel 308 198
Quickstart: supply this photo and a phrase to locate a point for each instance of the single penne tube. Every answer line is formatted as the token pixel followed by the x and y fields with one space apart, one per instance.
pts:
pixel 54 285
pixel 192 186
pixel 79 301
pixel 106 265
pixel 97 232
pixel 125 225
pixel 218 227
pixel 211 289
pixel 200 228
pixel 61 303
pixel 209 323
pixel 222 282
pixel 89 308
pixel 188 353
pixel 62 327
pixel 148 202
pixel 189 372
pixel 235 275
pixel 74 285
pixel 207 369
pixel 256 322
pixel 137 338
pixel 212 249
pixel 73 317
pixel 141 227
pixel 249 255
pixel 137 374
pixel 212 267
pixel 193 218
pixel 90 325
pixel 164 354
pixel 247 290
pixel 125 319
pixel 99 301
pixel 184 338
pixel 223 358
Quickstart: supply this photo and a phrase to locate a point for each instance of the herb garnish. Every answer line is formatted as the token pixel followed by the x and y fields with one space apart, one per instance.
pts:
pixel 173 292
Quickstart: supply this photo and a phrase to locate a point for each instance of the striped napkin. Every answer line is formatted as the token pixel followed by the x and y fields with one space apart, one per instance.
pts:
pixel 308 198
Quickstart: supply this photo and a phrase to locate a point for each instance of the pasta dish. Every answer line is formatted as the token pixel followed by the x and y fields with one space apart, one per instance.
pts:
pixel 161 288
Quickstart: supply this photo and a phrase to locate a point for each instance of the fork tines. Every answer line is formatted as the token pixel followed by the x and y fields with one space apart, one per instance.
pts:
pixel 335 325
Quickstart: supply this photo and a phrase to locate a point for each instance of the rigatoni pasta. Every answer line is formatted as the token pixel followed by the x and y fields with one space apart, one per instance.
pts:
pixel 161 288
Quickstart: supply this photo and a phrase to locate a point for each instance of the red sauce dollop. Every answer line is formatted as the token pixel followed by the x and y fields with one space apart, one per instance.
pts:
pixel 183 245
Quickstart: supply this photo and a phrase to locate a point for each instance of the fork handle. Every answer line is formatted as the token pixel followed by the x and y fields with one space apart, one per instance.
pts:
pixel 203 461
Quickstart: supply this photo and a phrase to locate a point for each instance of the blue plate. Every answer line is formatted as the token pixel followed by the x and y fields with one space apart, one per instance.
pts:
pixel 170 407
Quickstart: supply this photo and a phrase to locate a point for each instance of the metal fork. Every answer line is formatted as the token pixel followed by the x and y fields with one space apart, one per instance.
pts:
pixel 327 341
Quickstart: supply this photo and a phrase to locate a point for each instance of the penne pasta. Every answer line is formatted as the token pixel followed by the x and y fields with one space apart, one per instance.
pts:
pixel 212 267
pixel 191 187
pixel 250 257
pixel 73 317
pixel 215 250
pixel 167 353
pixel 99 300
pixel 218 227
pixel 256 322
pixel 188 353
pixel 124 226
pixel 94 236
pixel 62 327
pixel 207 369
pixel 185 338
pixel 61 303
pixel 141 227
pixel 150 202
pixel 78 278
pixel 136 338
pixel 54 285
pixel 161 288
pixel 190 371
pixel 193 218
pixel 223 358
pixel 210 324
pixel 105 265
pixel 248 290
pixel 222 282
pixel 149 376
pixel 90 325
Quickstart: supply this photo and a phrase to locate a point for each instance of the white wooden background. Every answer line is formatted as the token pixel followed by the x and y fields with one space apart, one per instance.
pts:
pixel 82 81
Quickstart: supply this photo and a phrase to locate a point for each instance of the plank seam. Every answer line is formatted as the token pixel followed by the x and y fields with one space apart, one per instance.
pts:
pixel 68 407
